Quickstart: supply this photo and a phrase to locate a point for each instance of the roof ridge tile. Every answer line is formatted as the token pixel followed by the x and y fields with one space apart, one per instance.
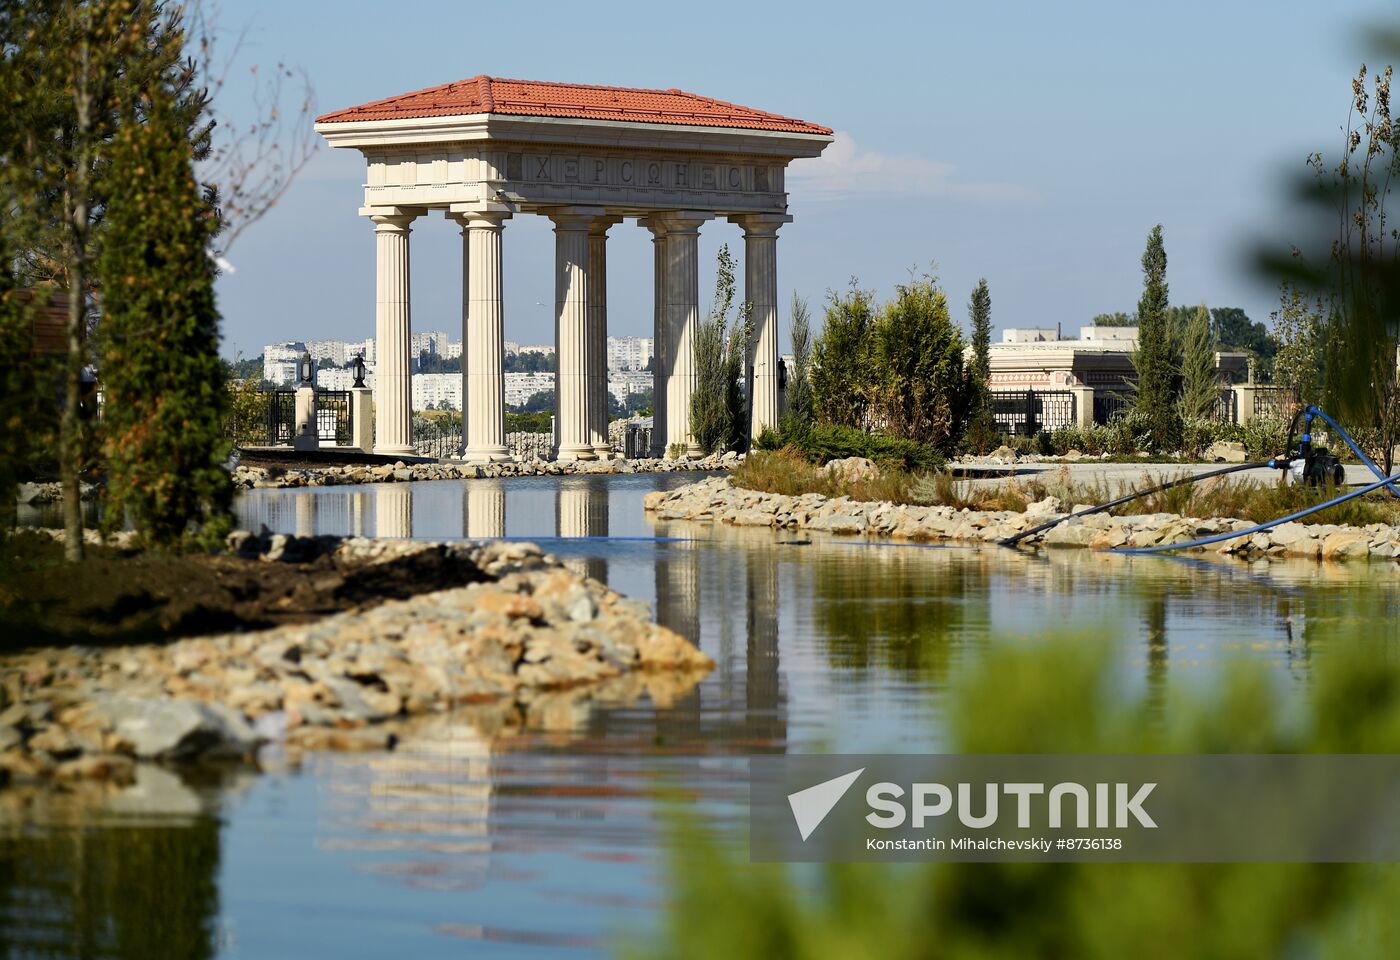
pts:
pixel 486 94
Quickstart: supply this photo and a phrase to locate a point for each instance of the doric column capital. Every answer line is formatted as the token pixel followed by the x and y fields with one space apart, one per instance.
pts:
pixel 760 224
pixel 683 222
pixel 601 225
pixel 479 216
pixel 392 219
pixel 574 218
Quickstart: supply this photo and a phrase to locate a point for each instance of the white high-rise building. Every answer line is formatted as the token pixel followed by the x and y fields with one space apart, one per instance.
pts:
pixel 280 361
pixel 520 387
pixel 432 390
pixel 622 384
pixel 629 353
pixel 335 351
pixel 341 378
pixel 432 341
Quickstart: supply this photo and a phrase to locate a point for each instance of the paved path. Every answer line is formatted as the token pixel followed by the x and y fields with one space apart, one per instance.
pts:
pixel 1114 474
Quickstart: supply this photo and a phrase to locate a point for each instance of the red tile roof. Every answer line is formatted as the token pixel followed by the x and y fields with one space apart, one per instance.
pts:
pixel 483 94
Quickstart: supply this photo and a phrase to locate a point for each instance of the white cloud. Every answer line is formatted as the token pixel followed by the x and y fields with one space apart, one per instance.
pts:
pixel 845 170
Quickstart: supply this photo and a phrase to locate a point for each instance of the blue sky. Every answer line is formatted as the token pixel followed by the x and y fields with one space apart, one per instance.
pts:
pixel 1034 144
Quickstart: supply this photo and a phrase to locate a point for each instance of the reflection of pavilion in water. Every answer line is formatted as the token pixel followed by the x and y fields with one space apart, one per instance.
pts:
pixel 433 794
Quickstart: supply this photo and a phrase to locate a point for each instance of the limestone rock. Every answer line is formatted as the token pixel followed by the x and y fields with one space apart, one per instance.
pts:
pixel 852 469
pixel 1225 451
pixel 177 729
pixel 1346 546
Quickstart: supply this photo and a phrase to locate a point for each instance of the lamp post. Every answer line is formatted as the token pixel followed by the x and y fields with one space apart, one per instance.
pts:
pixel 307 435
pixel 359 368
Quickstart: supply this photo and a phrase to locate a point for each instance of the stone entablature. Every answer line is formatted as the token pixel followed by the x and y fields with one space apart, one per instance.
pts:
pixel 640 181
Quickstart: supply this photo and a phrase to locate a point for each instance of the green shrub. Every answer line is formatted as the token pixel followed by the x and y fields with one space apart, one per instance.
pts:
pixel 541 422
pixel 830 442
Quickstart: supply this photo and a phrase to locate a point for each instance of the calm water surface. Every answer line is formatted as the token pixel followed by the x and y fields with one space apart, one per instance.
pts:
pixel 489 833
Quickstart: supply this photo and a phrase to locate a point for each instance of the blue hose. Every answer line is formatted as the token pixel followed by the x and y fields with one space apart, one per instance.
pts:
pixel 1315 411
pixel 1350 495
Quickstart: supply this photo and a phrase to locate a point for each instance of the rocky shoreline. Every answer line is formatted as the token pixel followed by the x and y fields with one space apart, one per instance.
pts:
pixel 717 500
pixel 528 629
pixel 401 472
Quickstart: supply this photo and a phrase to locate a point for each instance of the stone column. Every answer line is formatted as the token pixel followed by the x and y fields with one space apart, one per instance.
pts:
pixel 571 226
pixel 484 502
pixel 1083 406
pixel 761 291
pixel 682 318
pixel 596 336
pixel 393 387
pixel 393 510
pixel 581 510
pixel 483 337
pixel 660 349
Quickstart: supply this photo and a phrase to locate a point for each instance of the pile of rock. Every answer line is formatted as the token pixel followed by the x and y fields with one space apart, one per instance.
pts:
pixel 38 493
pixel 530 626
pixel 398 472
pixel 717 500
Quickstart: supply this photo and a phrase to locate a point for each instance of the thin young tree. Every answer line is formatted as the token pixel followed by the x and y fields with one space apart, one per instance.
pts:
pixel 982 426
pixel 1200 387
pixel 798 416
pixel 1298 344
pixel 717 404
pixel 1155 358
pixel 164 381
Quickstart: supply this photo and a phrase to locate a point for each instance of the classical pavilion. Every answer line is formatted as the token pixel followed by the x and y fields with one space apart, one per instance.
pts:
pixel 588 157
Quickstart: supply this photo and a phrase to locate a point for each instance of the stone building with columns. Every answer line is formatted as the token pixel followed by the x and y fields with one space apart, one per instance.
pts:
pixel 588 157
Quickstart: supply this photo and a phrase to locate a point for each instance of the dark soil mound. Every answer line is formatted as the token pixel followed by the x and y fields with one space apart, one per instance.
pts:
pixel 113 597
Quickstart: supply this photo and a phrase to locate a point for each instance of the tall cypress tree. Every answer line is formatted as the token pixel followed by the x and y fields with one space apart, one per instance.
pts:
pixel 160 369
pixel 982 426
pixel 1155 359
pixel 1199 387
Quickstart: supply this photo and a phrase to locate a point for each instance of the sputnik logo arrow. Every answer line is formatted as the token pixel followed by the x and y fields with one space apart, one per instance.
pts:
pixel 810 806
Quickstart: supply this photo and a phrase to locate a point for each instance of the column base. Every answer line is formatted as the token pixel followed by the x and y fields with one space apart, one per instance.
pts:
pixel 487 455
pixel 604 452
pixel 571 454
pixel 395 452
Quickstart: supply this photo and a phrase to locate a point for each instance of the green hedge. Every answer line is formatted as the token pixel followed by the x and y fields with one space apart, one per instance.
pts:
pixel 828 442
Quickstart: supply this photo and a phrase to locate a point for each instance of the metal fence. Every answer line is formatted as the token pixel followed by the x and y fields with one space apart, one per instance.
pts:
pixel 530 446
pixel 272 421
pixel 1109 405
pixel 1226 406
pixel 1026 412
pixel 1274 402
pixel 438 439
pixel 335 416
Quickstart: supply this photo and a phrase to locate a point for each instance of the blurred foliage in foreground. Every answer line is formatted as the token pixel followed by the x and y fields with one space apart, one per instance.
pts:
pixel 1066 697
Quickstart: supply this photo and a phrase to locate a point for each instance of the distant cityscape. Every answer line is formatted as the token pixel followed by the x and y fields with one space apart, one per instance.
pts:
pixel 437 368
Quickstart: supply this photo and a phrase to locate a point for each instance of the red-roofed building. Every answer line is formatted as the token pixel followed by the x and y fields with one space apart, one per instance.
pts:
pixel 589 157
